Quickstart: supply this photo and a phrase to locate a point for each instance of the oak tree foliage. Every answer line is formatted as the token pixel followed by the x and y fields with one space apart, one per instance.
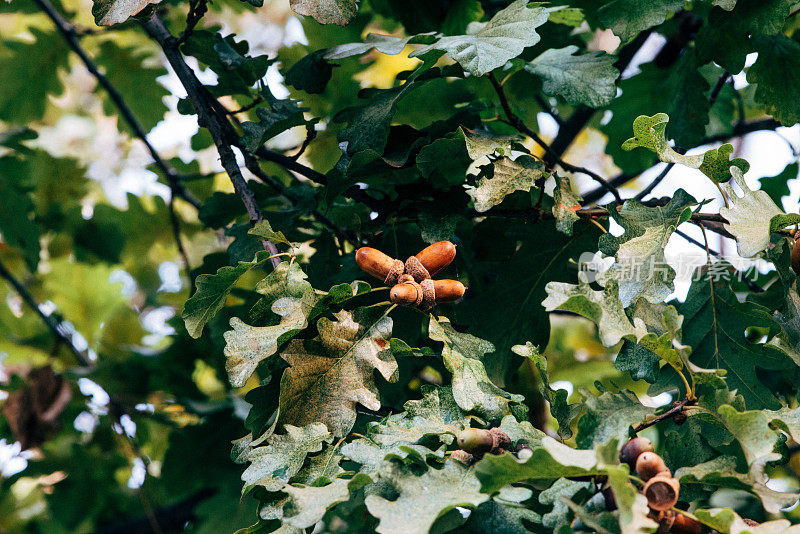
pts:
pixel 189 345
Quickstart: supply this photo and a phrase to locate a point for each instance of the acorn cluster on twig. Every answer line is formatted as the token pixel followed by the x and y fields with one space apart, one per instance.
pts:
pixel 411 280
pixel 660 489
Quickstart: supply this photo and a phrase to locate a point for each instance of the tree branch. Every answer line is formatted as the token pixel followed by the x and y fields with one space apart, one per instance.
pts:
pixel 51 322
pixel 67 30
pixel 210 117
pixel 676 409
pixel 252 165
pixel 738 130
pixel 550 156
pixel 657 180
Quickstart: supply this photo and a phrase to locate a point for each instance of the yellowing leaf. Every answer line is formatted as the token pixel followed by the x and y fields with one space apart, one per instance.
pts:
pixel 332 373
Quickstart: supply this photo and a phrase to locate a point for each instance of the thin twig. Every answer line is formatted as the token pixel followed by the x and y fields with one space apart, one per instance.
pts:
pixel 718 87
pixel 549 109
pixel 657 180
pixel 256 101
pixel 755 288
pixel 514 121
pixel 252 165
pixel 311 134
pixel 176 234
pixel 51 322
pixel 68 31
pixel 677 408
pixel 197 8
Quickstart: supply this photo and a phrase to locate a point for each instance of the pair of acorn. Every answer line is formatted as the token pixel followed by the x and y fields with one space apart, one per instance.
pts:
pixel 661 489
pixel 411 281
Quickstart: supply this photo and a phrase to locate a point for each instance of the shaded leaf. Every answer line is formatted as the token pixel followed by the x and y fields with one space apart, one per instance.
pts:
pixel 584 79
pixel 714 325
pixel 626 18
pixel 775 73
pixel 488 46
pixel 430 496
pixel 463 354
pixel 561 410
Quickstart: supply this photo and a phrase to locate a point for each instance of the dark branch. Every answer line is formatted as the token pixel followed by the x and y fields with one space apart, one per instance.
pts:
pixel 213 119
pixel 51 322
pixel 676 409
pixel 738 130
pixel 657 180
pixel 197 8
pixel 550 156
pixel 67 30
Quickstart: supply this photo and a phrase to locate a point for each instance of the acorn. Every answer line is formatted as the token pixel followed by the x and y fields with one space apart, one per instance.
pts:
pixel 475 441
pixel 796 253
pixel 649 464
pixel 406 293
pixel 437 256
pixel 632 449
pixel 378 264
pixel 662 491
pixel 683 524
pixel 448 290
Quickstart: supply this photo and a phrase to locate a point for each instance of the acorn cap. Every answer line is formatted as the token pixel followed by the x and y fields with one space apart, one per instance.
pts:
pixel 662 492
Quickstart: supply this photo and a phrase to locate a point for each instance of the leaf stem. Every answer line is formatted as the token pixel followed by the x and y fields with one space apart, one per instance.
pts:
pixel 666 415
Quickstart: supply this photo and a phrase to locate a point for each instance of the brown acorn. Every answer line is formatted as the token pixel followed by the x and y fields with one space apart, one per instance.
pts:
pixel 437 256
pixel 631 450
pixel 376 263
pixel 649 464
pixel 683 524
pixel 448 290
pixel 406 294
pixel 475 441
pixel 662 491
pixel 796 254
